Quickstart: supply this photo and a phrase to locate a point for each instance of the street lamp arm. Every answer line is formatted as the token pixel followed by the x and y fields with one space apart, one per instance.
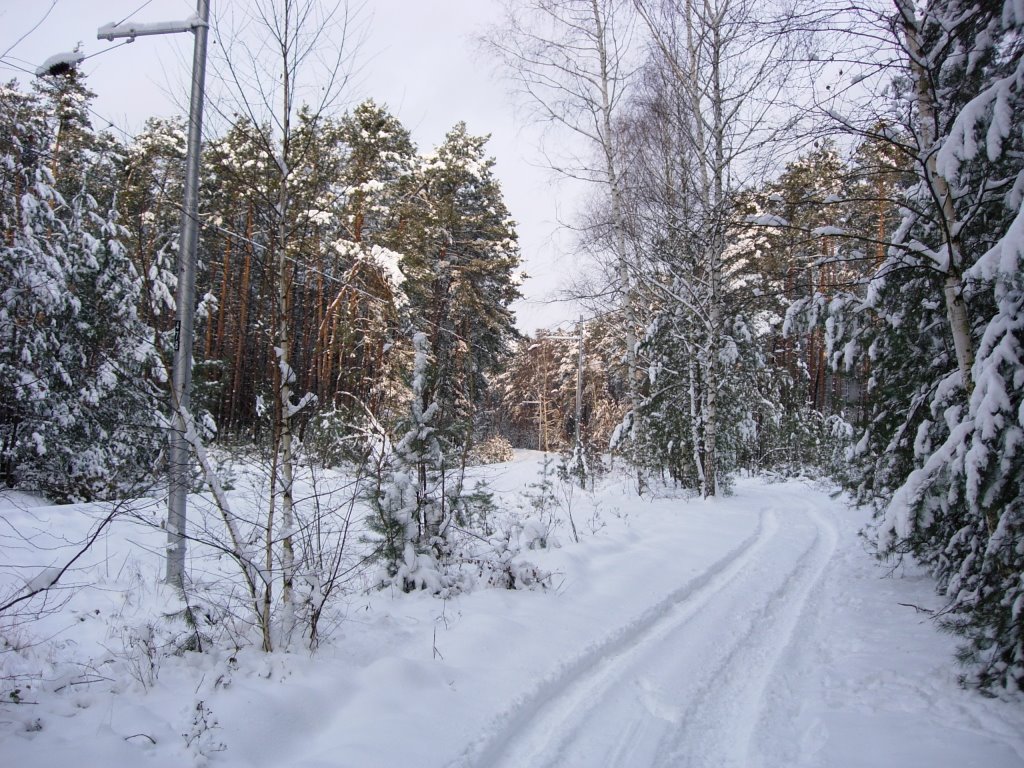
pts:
pixel 132 30
pixel 178 453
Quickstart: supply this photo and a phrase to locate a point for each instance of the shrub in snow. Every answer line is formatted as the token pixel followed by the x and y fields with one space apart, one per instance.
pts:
pixel 335 437
pixel 495 562
pixel 201 739
pixel 582 464
pixel 493 450
pixel 415 495
pixel 429 531
pixel 537 533
pixel 502 567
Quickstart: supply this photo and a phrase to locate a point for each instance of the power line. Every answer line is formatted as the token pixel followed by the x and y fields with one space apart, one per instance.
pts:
pixel 106 50
pixel 17 42
pixel 141 7
pixel 9 61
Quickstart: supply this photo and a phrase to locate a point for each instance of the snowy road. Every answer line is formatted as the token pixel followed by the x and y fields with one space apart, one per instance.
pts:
pixel 691 688
pixel 751 631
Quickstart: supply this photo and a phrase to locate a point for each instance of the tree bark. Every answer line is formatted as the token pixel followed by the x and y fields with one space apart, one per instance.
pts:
pixel 942 195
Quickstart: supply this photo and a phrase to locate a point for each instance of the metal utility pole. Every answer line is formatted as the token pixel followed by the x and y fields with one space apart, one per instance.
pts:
pixel 579 387
pixel 580 338
pixel 181 383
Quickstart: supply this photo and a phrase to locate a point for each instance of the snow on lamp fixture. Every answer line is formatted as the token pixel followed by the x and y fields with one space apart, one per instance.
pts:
pixel 60 64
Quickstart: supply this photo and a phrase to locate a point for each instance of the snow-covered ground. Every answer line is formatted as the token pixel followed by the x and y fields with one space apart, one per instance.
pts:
pixel 753 630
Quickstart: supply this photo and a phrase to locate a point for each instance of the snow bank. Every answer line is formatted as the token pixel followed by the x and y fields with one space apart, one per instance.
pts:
pixel 415 680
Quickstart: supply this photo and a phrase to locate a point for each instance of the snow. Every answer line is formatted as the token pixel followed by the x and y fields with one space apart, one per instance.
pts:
pixel 43 580
pixel 767 220
pixel 389 262
pixel 747 631
pixel 1003 260
pixel 60 62
pixel 136 29
pixel 828 232
pixel 961 144
pixel 294 408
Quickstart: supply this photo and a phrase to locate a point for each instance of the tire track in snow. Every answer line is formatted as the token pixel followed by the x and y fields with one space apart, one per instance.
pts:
pixel 723 720
pixel 685 684
pixel 581 677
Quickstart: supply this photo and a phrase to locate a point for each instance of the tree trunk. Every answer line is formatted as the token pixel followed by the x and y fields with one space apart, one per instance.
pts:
pixel 956 308
pixel 242 329
pixel 284 359
pixel 618 226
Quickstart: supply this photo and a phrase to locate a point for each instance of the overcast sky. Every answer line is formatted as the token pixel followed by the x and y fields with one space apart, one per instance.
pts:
pixel 419 58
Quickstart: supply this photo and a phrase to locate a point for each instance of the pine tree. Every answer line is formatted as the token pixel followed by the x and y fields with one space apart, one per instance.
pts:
pixel 79 416
pixel 458 259
pixel 150 183
pixel 960 508
pixel 359 350
pixel 537 389
pixel 415 501
pixel 811 216
pixel 235 358
pixel 460 265
pixel 939 327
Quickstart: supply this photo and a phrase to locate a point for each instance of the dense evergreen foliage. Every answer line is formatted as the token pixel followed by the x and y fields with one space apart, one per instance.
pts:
pixel 935 324
pixel 77 417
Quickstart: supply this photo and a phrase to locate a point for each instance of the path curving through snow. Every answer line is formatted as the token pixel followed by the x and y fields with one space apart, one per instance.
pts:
pixel 691 688
pixel 751 631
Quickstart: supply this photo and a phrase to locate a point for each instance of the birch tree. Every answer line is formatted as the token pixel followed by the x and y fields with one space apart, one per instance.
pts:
pixel 718 76
pixel 311 46
pixel 574 61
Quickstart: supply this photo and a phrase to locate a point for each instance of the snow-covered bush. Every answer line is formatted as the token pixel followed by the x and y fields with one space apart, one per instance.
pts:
pixel 493 450
pixel 940 327
pixel 78 415
pixel 415 495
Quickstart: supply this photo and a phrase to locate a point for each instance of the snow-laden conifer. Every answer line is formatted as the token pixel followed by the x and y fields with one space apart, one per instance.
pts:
pixel 938 327
pixel 78 416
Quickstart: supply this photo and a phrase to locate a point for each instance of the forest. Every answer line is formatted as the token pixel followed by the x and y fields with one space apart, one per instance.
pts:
pixel 805 231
